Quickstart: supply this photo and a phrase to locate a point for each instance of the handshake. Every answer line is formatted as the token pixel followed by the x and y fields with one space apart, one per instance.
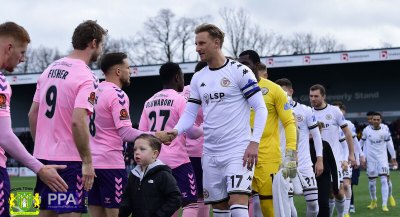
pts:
pixel 166 137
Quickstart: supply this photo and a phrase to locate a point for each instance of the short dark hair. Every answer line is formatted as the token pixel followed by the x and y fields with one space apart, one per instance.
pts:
pixel 252 55
pixel 85 33
pixel 340 105
pixel 199 66
pixel 318 87
pixel 111 59
pixel 168 71
pixel 284 82
pixel 15 31
pixel 262 66
pixel 154 142
pixel 212 30
pixel 377 114
pixel 370 113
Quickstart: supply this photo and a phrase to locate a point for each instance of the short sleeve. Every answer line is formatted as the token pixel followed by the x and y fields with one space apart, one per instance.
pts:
pixel 341 121
pixel 36 97
pixel 86 96
pixel 144 122
pixel 364 134
pixel 5 96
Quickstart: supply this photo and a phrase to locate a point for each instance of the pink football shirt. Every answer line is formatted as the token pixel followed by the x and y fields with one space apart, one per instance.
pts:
pixel 162 112
pixel 5 98
pixel 111 112
pixel 194 146
pixel 65 85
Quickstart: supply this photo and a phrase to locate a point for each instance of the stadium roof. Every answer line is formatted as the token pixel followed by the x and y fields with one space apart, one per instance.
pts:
pixel 271 62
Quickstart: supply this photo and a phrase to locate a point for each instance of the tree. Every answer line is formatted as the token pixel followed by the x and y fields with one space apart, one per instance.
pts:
pixel 236 29
pixel 242 35
pixel 37 60
pixel 184 31
pixel 167 38
pixel 303 43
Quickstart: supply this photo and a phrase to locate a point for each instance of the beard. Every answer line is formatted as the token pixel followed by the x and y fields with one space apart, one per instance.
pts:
pixel 125 82
pixel 94 57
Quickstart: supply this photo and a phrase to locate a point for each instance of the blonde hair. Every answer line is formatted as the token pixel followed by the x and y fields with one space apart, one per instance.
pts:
pixel 213 30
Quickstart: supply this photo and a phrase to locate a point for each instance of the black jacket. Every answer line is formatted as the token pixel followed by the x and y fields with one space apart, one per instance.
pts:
pixel 156 194
pixel 330 168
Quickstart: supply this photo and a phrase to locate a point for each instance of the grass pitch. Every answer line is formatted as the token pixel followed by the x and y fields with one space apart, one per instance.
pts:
pixel 361 193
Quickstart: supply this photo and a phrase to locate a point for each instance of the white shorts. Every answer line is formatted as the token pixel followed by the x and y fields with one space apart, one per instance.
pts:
pixel 304 181
pixel 348 173
pixel 224 175
pixel 375 169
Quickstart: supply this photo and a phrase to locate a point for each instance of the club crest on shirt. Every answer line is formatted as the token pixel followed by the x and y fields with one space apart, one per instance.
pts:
pixel 299 118
pixel 287 106
pixel 205 193
pixel 225 82
pixel 3 100
pixel 123 114
pixel 92 98
pixel 264 90
pixel 328 117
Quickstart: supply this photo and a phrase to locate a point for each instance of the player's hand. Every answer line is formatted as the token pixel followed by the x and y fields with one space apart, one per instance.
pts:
pixel 164 137
pixel 394 164
pixel 172 135
pixel 290 164
pixel 363 162
pixel 250 157
pixel 345 165
pixel 49 176
pixel 88 175
pixel 319 167
pixel 352 160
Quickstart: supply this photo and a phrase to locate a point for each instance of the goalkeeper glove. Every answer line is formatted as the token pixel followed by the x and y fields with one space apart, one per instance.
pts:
pixel 290 164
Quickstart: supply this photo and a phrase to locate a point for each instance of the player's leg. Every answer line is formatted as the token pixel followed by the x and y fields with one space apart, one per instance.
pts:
pixel 204 210
pixel 392 201
pixel 214 186
pixel 185 177
pixel 354 181
pixel 310 190
pixel 254 205
pixel 385 192
pixel 70 214
pixel 372 174
pixel 5 193
pixel 340 198
pixel 262 183
pixel 96 211
pixel 347 190
pixel 383 169
pixel 47 213
pixel 94 197
pixel 238 182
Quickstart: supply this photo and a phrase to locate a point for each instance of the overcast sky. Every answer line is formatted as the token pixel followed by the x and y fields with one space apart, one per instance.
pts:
pixel 358 24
